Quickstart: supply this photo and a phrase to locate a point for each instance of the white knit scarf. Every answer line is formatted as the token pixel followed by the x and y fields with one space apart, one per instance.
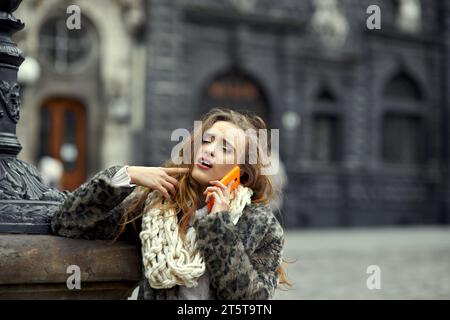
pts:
pixel 168 261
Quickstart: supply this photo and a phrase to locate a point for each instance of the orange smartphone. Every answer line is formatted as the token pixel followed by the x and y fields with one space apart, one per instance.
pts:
pixel 233 174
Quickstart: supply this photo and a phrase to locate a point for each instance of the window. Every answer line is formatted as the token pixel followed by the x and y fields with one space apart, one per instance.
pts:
pixel 326 128
pixel 325 96
pixel 403 87
pixel 404 130
pixel 325 140
pixel 403 140
pixel 63 48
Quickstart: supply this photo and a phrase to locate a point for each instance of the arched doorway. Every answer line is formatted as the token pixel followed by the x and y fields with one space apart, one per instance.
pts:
pixel 235 90
pixel 404 122
pixel 63 137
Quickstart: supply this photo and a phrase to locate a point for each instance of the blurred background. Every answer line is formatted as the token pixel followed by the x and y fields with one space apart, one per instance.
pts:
pixel 363 117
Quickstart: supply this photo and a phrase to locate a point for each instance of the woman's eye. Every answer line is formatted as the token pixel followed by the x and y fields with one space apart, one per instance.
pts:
pixel 206 141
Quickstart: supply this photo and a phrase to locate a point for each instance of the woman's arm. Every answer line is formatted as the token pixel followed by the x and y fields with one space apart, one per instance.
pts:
pixel 95 209
pixel 88 213
pixel 237 271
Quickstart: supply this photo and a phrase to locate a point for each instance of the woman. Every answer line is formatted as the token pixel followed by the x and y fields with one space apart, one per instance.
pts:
pixel 232 252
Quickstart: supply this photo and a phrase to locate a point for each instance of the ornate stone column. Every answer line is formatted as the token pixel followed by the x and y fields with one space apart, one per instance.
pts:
pixel 26 204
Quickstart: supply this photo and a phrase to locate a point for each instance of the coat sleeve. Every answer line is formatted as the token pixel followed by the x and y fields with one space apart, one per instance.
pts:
pixel 94 210
pixel 237 271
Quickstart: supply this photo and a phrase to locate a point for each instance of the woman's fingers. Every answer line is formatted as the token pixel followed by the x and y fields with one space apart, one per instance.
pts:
pixel 169 183
pixel 156 178
pixel 214 190
pixel 211 189
pixel 208 189
pixel 168 186
pixel 172 180
pixel 212 195
pixel 207 198
pixel 221 185
pixel 218 183
pixel 164 192
pixel 173 171
pixel 226 189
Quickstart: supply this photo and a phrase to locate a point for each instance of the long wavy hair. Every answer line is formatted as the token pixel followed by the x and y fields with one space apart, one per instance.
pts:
pixel 188 191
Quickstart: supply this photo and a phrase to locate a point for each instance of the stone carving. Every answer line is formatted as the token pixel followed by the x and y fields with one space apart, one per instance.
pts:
pixel 26 202
pixel 10 100
pixel 133 15
pixel 20 180
pixel 329 23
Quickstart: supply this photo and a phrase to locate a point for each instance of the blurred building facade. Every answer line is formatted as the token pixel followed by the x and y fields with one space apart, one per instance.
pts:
pixel 81 84
pixel 363 114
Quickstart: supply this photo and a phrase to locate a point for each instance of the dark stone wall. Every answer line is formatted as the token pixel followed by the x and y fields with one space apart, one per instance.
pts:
pixel 190 42
pixel 445 94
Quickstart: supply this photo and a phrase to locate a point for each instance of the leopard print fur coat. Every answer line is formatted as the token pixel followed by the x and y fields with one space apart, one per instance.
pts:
pixel 241 259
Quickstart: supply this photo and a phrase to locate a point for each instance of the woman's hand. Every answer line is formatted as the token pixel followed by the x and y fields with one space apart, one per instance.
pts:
pixel 156 178
pixel 221 195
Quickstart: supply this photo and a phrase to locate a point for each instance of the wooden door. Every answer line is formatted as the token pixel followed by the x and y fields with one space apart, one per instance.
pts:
pixel 63 137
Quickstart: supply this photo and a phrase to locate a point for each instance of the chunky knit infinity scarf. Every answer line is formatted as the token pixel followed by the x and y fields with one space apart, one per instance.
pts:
pixel 168 260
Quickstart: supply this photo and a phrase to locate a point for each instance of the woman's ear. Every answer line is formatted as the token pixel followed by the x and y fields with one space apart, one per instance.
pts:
pixel 243 175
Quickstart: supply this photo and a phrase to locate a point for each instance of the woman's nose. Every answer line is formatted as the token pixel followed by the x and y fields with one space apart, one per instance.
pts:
pixel 209 149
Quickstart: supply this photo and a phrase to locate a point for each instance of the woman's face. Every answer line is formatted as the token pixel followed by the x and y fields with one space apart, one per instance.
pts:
pixel 222 148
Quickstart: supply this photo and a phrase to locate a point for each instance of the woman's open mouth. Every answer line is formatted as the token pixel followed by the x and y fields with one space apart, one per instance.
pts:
pixel 204 164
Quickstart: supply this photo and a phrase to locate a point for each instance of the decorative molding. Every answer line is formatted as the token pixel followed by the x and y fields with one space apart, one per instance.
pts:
pixel 10 98
pixel 26 204
pixel 133 16
pixel 32 217
pixel 11 51
pixel 20 180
